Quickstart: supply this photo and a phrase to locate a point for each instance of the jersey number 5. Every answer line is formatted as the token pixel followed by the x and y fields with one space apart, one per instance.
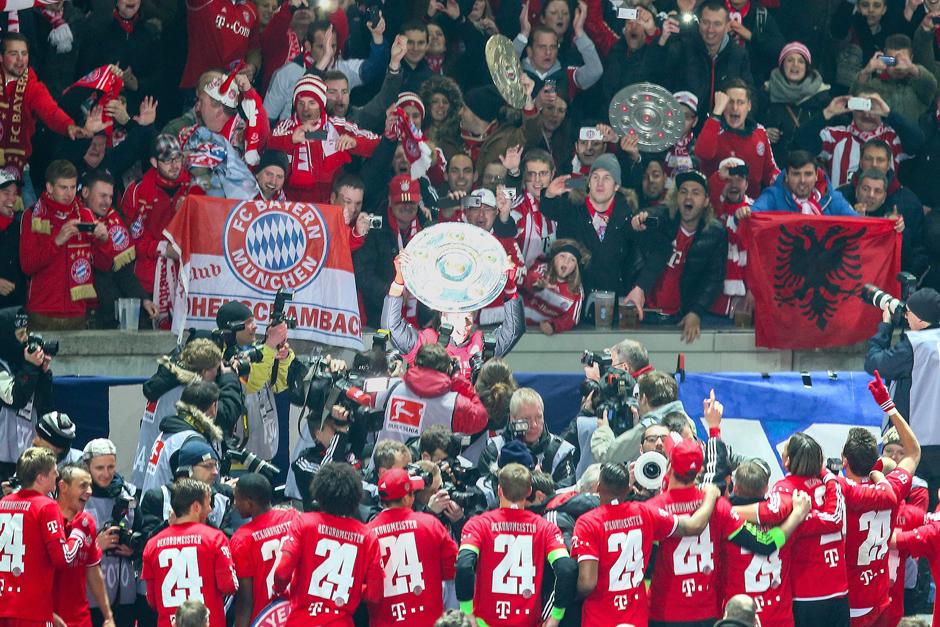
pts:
pixel 12 548
pixel 182 581
pixel 515 574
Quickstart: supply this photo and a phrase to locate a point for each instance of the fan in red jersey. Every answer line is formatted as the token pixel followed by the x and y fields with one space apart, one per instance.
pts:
pixel 613 543
pixel 502 558
pixel 417 553
pixel 872 500
pixel 256 546
pixel 189 559
pixel 74 583
pixel 552 289
pixel 330 559
pixel 34 544
pixel 685 569
pixel 820 587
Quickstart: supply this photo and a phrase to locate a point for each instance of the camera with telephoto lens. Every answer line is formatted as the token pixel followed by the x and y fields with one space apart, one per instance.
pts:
pixel 34 342
pixel 884 301
pixel 278 315
pixel 120 519
pixel 252 462
pixel 241 361
pixel 649 469
pixel 458 477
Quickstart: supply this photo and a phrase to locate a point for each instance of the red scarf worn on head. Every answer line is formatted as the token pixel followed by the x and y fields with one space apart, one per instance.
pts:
pixel 127 25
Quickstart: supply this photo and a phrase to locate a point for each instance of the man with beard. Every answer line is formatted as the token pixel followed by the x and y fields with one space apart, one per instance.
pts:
pixel 318 146
pixel 801 188
pixel 25 94
pixel 271 174
pixel 729 198
pixel 150 203
pixel 694 274
pixel 114 270
pixel 71 598
pixel 12 279
pixel 25 388
pixel 653 181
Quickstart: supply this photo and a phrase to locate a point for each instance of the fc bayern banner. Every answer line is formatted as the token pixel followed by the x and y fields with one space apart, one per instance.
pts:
pixel 247 250
pixel 806 274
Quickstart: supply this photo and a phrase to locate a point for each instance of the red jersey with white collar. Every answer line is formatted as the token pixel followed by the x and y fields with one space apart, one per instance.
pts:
pixel 764 578
pixel 685 584
pixel 418 556
pixel 256 550
pixel 332 562
pixel 512 546
pixel 188 561
pixel 619 538
pixel 871 512
pixel 555 303
pixel 818 545
pixel 34 546
pixel 665 294
pixel 71 595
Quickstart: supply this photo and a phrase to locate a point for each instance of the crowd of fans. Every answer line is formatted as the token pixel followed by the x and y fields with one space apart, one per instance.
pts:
pixel 430 486
pixel 388 110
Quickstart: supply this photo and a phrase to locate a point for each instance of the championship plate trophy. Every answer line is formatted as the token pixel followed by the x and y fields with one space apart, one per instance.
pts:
pixel 505 70
pixel 455 267
pixel 649 112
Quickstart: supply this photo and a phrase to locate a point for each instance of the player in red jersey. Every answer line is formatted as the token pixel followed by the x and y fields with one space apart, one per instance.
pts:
pixel 189 559
pixel 256 546
pixel 509 547
pixel 418 556
pixel 685 569
pixel 923 541
pixel 819 584
pixel 872 508
pixel 73 583
pixel 32 543
pixel 332 558
pixel 612 545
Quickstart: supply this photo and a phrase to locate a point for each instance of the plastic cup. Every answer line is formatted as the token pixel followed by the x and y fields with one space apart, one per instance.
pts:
pixel 128 313
pixel 603 309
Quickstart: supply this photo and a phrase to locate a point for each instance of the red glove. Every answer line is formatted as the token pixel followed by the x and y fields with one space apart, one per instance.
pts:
pixel 880 393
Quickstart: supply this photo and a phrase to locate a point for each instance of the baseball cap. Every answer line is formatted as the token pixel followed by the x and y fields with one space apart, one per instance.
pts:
pixel 193 452
pixel 166 147
pixel 232 311
pixel 56 428
pixel 486 196
pixel 396 483
pixel 8 176
pixel 687 98
pixel 694 176
pixel 403 188
pixel 687 459
pixel 97 448
pixel 925 304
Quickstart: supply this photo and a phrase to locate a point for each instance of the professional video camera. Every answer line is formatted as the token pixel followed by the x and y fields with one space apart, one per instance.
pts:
pixel 119 518
pixel 349 384
pixel 34 342
pixel 884 301
pixel 278 314
pixel 613 393
pixel 252 462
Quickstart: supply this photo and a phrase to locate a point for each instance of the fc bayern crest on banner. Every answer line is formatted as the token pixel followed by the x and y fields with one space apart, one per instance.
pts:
pixel 269 248
pixel 274 615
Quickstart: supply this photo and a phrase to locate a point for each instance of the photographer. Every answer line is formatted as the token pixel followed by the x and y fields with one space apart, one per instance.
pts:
pixel 527 423
pixel 194 420
pixel 257 430
pixel 200 360
pixel 25 387
pixel 327 443
pixel 431 393
pixel 56 432
pixel 113 508
pixel 658 396
pixel 914 390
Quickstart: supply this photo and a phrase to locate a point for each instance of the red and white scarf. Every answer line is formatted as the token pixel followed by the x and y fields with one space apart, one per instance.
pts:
pixel 124 251
pixel 599 217
pixel 48 217
pixel 810 206
pixel 417 151
pixel 103 80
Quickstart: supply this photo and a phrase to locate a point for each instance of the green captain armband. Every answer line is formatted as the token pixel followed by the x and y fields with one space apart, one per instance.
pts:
pixel 777 536
pixel 558 613
pixel 466 607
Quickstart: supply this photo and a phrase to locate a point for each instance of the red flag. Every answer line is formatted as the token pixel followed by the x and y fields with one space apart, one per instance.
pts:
pixel 104 80
pixel 806 273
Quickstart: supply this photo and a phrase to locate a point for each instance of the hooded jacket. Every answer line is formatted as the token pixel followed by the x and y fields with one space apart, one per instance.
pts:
pixel 188 423
pixel 778 197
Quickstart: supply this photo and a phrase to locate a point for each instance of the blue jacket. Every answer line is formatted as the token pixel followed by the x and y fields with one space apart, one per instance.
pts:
pixel 777 197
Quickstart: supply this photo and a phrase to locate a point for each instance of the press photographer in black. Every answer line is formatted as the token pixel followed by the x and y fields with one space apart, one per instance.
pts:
pixel 912 366
pixel 25 386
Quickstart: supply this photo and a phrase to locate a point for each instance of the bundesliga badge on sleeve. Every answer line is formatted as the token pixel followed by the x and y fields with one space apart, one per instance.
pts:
pixel 455 267
pixel 505 70
pixel 651 113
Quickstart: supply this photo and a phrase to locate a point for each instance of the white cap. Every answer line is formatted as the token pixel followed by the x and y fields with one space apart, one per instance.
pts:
pixel 486 196
pixel 97 448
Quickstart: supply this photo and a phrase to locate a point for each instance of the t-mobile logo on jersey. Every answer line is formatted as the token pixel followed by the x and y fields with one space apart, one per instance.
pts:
pixel 399 611
pixel 621 601
pixel 239 29
pixel 832 557
pixel 502 609
pixel 867 576
pixel 688 587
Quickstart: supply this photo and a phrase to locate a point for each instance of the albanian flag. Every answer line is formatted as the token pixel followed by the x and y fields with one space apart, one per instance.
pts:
pixel 806 274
